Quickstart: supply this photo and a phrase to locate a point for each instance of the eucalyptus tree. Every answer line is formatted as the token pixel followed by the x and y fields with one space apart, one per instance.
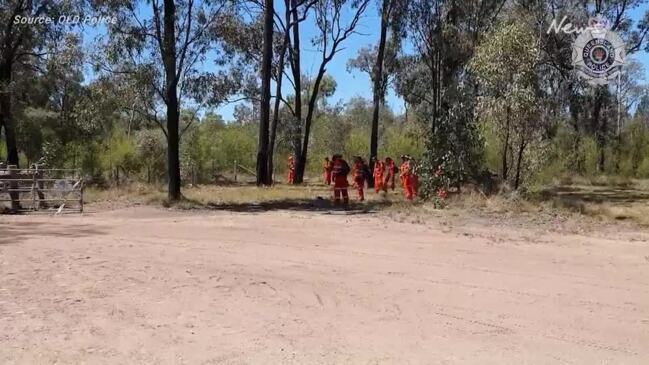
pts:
pixel 505 65
pixel 28 31
pixel 434 79
pixel 445 34
pixel 380 62
pixel 160 46
pixel 249 68
pixel 263 177
pixel 588 109
pixel 295 12
pixel 332 32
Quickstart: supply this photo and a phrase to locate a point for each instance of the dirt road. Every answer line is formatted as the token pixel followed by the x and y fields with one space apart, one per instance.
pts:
pixel 148 286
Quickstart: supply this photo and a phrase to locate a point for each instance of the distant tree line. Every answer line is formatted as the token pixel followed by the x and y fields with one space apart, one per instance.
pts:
pixel 487 91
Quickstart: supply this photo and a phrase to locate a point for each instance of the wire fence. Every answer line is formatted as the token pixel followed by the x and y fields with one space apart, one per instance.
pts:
pixel 35 189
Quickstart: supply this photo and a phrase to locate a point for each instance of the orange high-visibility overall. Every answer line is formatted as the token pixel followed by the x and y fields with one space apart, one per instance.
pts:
pixel 339 176
pixel 326 168
pixel 402 173
pixel 291 170
pixel 389 177
pixel 410 181
pixel 359 179
pixel 379 170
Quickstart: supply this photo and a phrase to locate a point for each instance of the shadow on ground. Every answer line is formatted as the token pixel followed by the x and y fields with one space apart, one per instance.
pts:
pixel 618 195
pixel 321 205
pixel 17 231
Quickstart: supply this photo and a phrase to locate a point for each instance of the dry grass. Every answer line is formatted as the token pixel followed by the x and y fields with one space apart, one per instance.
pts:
pixel 126 195
pixel 599 180
pixel 614 201
pixel 604 198
pixel 635 211
pixel 230 195
pixel 252 194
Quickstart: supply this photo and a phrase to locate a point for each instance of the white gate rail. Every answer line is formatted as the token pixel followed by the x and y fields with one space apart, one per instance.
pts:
pixel 35 189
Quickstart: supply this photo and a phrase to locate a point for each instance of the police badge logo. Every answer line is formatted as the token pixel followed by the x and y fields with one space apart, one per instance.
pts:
pixel 598 53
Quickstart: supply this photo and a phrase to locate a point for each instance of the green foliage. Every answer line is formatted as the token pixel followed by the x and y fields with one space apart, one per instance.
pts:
pixel 569 154
pixel 504 65
pixel 235 143
pixel 330 130
pixel 3 148
pixel 492 146
pixel 474 97
pixel 35 125
pixel 151 153
pixel 454 146
pixel 90 163
pixel 634 149
pixel 118 156
pixel 356 144
pixel 397 141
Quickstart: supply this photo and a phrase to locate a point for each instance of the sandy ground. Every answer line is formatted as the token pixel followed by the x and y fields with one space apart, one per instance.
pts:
pixel 150 286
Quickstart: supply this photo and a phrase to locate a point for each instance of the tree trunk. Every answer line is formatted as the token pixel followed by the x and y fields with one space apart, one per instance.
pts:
pixel 10 46
pixel 505 167
pixel 575 111
pixel 173 112
pixel 596 125
pixel 437 88
pixel 7 123
pixel 519 161
pixel 275 121
pixel 379 93
pixel 6 116
pixel 264 115
pixel 297 81
pixel 301 166
pixel 278 94
pixel 405 113
pixel 601 141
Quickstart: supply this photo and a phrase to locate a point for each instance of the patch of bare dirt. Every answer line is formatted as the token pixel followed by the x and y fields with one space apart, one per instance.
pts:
pixel 147 285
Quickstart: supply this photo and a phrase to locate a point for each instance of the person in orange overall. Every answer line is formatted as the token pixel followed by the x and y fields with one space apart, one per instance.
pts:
pixel 358 174
pixel 390 172
pixel 414 175
pixel 339 174
pixel 326 168
pixel 402 171
pixel 379 170
pixel 291 170
pixel 410 179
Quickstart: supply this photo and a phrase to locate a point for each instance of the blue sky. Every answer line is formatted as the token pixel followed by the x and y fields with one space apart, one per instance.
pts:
pixel 349 84
pixel 641 56
pixel 356 83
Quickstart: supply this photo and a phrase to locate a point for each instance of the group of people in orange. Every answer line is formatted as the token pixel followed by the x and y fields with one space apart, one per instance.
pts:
pixel 336 170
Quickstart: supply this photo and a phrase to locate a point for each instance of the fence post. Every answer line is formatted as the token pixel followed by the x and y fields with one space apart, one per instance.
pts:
pixel 14 194
pixel 80 191
pixel 34 188
pixel 235 170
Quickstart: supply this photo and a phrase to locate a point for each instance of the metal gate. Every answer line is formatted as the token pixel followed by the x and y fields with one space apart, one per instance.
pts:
pixel 35 189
